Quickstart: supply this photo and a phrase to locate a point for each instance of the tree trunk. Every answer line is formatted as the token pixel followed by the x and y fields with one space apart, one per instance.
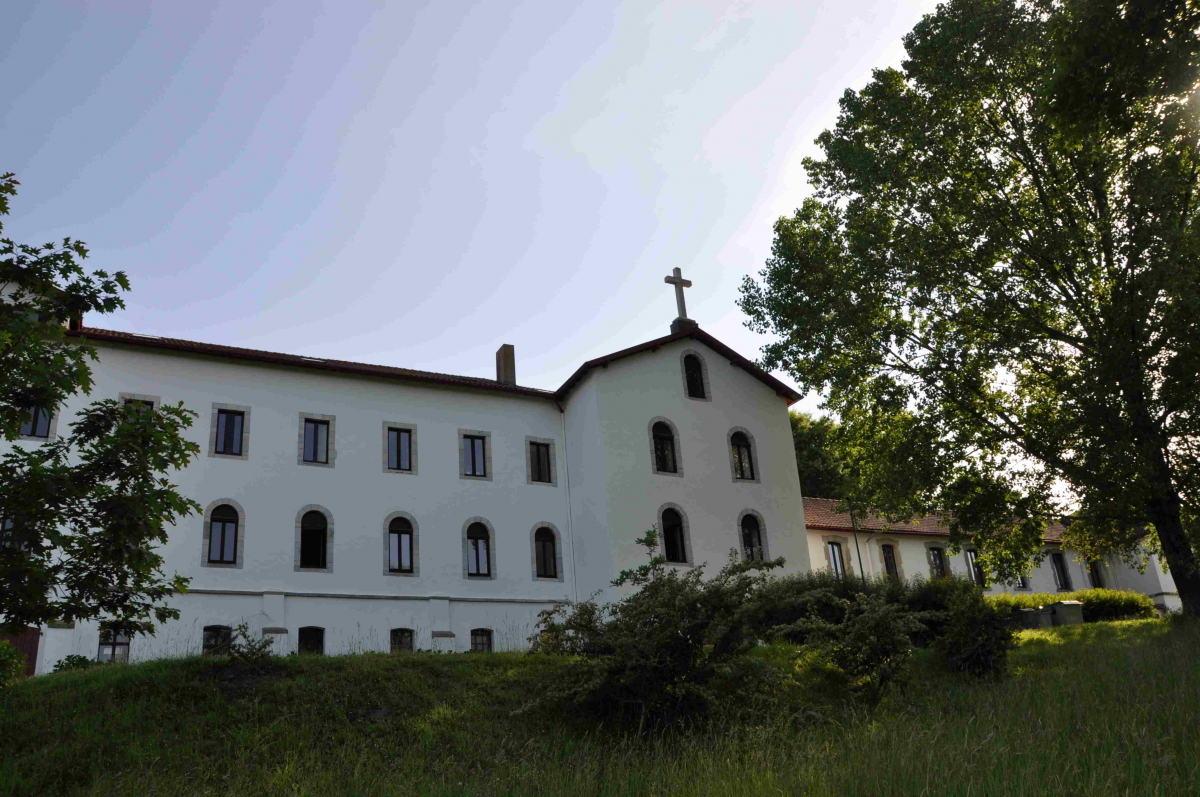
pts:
pixel 1164 511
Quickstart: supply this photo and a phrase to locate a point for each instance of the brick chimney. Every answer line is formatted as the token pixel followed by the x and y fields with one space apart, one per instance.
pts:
pixel 506 364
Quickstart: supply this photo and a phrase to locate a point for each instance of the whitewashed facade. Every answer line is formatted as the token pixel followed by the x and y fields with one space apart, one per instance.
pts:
pixel 605 491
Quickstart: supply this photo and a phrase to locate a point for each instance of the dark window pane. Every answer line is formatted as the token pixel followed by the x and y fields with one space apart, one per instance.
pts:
pixel 113 647
pixel 37 424
pixel 478 550
pixel 664 448
pixel 547 561
pixel 313 528
pixel 399 449
pixel 836 563
pixel 673 542
pixel 1062 576
pixel 1096 575
pixel 316 441
pixel 937 562
pixel 402 640
pixel 889 561
pixel 311 640
pixel 217 639
pixel 539 462
pixel 229 432
pixel 400 534
pixel 481 640
pixel 474 460
pixel 751 538
pixel 695 376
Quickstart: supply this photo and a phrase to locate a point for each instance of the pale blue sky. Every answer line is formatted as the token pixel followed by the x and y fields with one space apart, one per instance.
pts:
pixel 415 185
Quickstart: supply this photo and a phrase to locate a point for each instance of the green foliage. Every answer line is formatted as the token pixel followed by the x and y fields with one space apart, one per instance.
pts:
pixel 82 512
pixel 12 664
pixel 996 281
pixel 1098 604
pixel 977 636
pixel 821 471
pixel 666 653
pixel 245 648
pixel 872 643
pixel 74 662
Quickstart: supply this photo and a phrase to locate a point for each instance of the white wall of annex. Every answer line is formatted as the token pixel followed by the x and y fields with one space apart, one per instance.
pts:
pixel 632 391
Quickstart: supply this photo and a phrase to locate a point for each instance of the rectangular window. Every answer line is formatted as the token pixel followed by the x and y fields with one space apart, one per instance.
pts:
pixel 316 441
pixel 1096 574
pixel 400 551
pixel 139 404
pixel 402 640
pixel 975 570
pixel 229 432
pixel 474 455
pixel 399 449
pixel 889 561
pixel 37 424
pixel 1021 582
pixel 481 640
pixel 836 563
pixel 217 639
pixel 937 562
pixel 664 454
pixel 222 543
pixel 113 647
pixel 1062 578
pixel 539 462
pixel 547 566
pixel 11 537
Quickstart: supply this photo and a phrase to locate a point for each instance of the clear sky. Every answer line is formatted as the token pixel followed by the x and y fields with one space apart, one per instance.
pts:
pixel 414 185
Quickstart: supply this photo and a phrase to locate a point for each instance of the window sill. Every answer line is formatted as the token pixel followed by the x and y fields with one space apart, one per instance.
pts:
pixel 315 464
pixel 313 569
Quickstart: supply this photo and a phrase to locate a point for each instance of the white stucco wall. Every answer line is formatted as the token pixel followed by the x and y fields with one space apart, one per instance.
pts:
pixel 621 400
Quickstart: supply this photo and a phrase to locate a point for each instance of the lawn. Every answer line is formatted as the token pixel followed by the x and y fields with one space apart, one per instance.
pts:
pixel 1106 708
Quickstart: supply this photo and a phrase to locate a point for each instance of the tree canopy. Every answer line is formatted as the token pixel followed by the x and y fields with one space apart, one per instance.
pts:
pixel 821 470
pixel 996 280
pixel 81 513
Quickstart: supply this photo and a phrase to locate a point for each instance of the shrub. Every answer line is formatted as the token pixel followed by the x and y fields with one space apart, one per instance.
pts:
pixel 74 662
pixel 1098 604
pixel 245 648
pixel 977 635
pixel 872 644
pixel 12 664
pixel 667 653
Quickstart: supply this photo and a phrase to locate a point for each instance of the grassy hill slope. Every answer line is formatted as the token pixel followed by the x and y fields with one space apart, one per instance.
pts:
pixel 1107 708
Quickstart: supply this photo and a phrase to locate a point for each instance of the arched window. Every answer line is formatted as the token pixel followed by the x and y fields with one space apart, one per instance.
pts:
pixel 217 639
pixel 743 457
pixel 222 535
pixel 311 640
pixel 752 538
pixel 693 372
pixel 544 553
pixel 400 545
pixel 314 534
pixel 481 640
pixel 402 640
pixel 664 449
pixel 479 551
pixel 673 542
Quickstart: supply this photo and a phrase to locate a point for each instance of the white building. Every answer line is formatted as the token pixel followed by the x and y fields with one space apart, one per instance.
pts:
pixel 922 548
pixel 351 506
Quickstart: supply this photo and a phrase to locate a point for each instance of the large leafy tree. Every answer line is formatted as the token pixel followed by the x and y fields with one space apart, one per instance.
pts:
pixel 997 278
pixel 80 514
pixel 822 472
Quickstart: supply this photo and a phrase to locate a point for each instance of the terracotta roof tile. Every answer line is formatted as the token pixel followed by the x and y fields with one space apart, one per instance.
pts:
pixel 820 515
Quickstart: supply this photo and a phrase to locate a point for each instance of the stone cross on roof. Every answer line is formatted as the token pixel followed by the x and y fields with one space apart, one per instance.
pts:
pixel 680 283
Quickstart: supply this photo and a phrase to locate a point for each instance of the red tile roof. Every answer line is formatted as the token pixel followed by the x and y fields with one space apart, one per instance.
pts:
pixel 820 515
pixel 318 363
pixel 408 374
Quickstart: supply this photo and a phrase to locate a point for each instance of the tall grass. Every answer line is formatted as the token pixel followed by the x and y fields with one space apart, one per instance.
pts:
pixel 1106 708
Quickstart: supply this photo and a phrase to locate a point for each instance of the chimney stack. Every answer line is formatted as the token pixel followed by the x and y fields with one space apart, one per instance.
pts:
pixel 506 364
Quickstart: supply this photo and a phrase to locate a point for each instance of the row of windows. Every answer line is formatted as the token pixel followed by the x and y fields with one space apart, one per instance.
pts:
pixel 222 548
pixel 664 444
pixel 938 567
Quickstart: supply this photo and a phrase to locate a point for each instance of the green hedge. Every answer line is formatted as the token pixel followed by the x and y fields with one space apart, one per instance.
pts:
pixel 1098 604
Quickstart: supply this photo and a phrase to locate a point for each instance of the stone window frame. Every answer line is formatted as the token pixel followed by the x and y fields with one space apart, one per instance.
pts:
pixel 762 533
pixel 155 400
pixel 689 553
pixel 212 431
pixel 703 373
pixel 412 636
pixel 416 540
pixel 328 568
pixel 753 456
pixel 487 456
pixel 945 557
pixel 879 543
pixel 51 429
pixel 411 428
pixel 678 447
pixel 491 576
pixel 847 555
pixel 529 461
pixel 558 551
pixel 332 442
pixel 206 535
